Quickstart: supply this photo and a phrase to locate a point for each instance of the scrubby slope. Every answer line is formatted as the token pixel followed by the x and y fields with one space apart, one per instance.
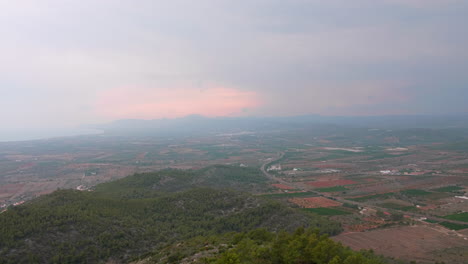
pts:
pixel 261 246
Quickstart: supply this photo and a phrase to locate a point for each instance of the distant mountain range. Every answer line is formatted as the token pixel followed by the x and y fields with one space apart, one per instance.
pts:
pixel 196 124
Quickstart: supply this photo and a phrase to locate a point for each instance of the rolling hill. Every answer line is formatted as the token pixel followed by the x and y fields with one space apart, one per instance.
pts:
pixel 122 220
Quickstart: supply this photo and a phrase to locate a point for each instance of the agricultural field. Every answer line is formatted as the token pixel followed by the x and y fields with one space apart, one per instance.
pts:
pixel 459 217
pixel 448 189
pixel 29 169
pixel 290 195
pixel 282 186
pixel 331 183
pixel 332 189
pixel 327 211
pixel 314 202
pixel 453 226
pixel 419 243
pixel 373 182
pixel 414 192
pixel 398 206
pixel 372 197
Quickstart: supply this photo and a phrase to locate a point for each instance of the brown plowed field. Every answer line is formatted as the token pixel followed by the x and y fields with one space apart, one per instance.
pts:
pixel 408 242
pixel 314 202
pixel 10 189
pixel 359 227
pixel 332 183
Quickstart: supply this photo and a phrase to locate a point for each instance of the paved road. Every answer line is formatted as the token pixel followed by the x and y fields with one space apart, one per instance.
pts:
pixel 341 200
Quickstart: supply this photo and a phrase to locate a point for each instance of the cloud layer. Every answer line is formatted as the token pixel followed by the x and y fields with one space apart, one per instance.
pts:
pixel 171 102
pixel 66 63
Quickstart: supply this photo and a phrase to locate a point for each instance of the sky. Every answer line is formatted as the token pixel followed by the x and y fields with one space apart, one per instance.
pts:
pixel 67 63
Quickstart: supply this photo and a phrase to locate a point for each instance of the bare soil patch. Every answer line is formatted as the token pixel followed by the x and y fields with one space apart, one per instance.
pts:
pixel 282 186
pixel 314 202
pixel 408 242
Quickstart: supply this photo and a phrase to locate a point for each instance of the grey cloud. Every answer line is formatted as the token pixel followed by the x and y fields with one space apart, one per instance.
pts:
pixel 64 52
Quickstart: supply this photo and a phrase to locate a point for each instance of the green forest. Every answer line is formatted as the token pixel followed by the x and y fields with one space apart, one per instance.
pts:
pixel 123 220
pixel 304 246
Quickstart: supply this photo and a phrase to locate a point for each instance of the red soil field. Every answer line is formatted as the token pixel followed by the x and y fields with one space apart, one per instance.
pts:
pixel 332 183
pixel 141 156
pixel 282 186
pixel 314 202
pixel 359 227
pixel 27 166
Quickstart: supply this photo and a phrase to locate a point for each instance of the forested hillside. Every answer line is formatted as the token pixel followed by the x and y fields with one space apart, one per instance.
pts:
pixel 172 180
pixel 130 217
pixel 260 246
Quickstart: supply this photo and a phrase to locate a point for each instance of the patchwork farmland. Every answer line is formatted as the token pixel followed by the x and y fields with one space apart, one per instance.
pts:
pixel 372 183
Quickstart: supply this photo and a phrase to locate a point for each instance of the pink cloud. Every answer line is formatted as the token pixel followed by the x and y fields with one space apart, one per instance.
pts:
pixel 150 103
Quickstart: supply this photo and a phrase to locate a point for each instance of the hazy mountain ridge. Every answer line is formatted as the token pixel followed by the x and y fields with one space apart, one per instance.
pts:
pixel 196 123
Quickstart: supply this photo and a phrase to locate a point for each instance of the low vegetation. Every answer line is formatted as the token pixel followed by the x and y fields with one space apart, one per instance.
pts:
pixel 453 226
pixel 291 195
pixel 261 246
pixel 372 197
pixel 415 192
pixel 398 206
pixel 327 211
pixel 458 217
pixel 448 189
pixel 332 189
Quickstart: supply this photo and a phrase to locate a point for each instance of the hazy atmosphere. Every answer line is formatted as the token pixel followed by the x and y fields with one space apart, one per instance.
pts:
pixel 70 63
pixel 234 131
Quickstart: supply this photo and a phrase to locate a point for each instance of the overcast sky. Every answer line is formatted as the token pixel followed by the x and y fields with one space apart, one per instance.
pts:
pixel 65 63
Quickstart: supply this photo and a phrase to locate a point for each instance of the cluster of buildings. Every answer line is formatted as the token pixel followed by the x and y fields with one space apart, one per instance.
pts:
pixel 276 167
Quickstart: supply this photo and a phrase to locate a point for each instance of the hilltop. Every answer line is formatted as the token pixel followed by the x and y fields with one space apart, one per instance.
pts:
pixel 125 219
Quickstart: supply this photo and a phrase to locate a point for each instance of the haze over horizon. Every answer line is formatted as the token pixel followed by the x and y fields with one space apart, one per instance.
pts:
pixel 70 63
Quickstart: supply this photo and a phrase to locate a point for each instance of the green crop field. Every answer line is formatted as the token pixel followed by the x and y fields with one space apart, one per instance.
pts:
pixel 371 197
pixel 453 226
pixel 458 217
pixel 415 192
pixel 398 206
pixel 332 189
pixel 326 211
pixel 449 189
